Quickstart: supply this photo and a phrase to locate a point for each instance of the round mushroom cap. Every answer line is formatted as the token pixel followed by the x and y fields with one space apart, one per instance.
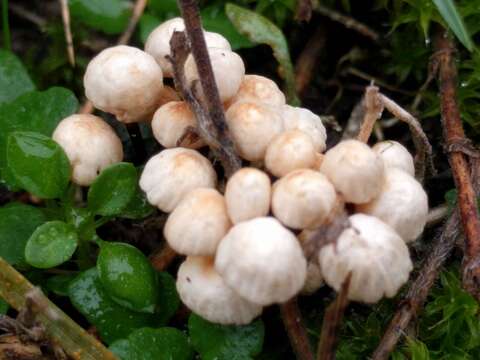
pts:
pixel 247 194
pixel 171 174
pixel 171 121
pixel 402 204
pixel 395 155
pixel 252 126
pixel 373 253
pixel 356 171
pixel 90 145
pixel 198 223
pixel 261 261
pixel 288 151
pixel 158 42
pixel 204 292
pixel 259 88
pixel 303 199
pixel 306 121
pixel 228 70
pixel 124 81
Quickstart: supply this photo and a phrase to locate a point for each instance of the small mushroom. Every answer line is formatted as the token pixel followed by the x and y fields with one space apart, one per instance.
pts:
pixel 248 194
pixel 252 126
pixel 373 253
pixel 124 81
pixel 303 199
pixel 259 88
pixel 198 223
pixel 204 292
pixel 171 174
pixel 288 151
pixel 402 204
pixel 396 155
pixel 261 261
pixel 356 171
pixel 90 144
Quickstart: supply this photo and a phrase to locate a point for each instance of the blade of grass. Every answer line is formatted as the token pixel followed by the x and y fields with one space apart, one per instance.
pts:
pixel 7 42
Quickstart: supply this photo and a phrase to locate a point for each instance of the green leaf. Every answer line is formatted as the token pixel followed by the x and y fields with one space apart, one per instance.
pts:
pixel 165 9
pixel 14 79
pixel 146 25
pixel 168 299
pixel 38 164
pixel 138 207
pixel 51 244
pixel 260 30
pixel 17 223
pixel 59 284
pixel 3 306
pixel 112 321
pixel 109 16
pixel 220 342
pixel 449 12
pixel 113 189
pixel 154 344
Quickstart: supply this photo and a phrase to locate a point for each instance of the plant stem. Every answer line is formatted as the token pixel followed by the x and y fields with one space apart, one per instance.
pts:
pixel 373 112
pixel 137 13
pixel 68 31
pixel 7 42
pixel 76 342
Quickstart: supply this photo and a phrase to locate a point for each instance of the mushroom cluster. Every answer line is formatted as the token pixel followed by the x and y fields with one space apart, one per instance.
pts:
pixel 243 242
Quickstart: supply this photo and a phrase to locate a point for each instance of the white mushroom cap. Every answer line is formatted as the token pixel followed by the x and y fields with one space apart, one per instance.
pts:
pixel 259 88
pixel 171 174
pixel 374 253
pixel 261 261
pixel 396 155
pixel 90 144
pixel 198 223
pixel 204 292
pixel 248 194
pixel 288 151
pixel 252 126
pixel 124 81
pixel 158 42
pixel 303 199
pixel 356 171
pixel 170 122
pixel 228 70
pixel 402 204
pixel 308 122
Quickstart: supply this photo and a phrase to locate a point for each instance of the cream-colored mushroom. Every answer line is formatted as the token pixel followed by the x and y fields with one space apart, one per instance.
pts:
pixel 204 292
pixel 198 223
pixel 171 121
pixel 259 88
pixel 248 194
pixel 396 155
pixel 373 253
pixel 261 261
pixel 402 204
pixel 356 171
pixel 303 199
pixel 288 151
pixel 253 125
pixel 171 174
pixel 90 145
pixel 306 121
pixel 124 81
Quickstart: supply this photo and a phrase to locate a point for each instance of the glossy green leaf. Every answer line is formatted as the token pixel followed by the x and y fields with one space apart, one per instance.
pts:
pixel 38 164
pixel 17 223
pixel 449 12
pixel 127 276
pixel 51 244
pixel 113 189
pixel 146 25
pixel 14 79
pixel 59 284
pixel 260 30
pixel 138 207
pixel 168 299
pixel 220 342
pixel 165 9
pixel 3 306
pixel 154 344
pixel 109 16
pixel 112 321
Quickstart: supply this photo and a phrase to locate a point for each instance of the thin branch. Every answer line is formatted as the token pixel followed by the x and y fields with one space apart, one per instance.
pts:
pixel 373 111
pixel 137 13
pixel 68 31
pixel 305 66
pixel 28 15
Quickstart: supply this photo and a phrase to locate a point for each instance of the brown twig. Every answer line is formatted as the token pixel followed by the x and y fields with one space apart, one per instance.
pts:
pixel 138 10
pixel 332 321
pixel 455 140
pixel 28 15
pixel 68 31
pixel 161 259
pixel 292 319
pixel 304 68
pixel 304 10
pixel 373 111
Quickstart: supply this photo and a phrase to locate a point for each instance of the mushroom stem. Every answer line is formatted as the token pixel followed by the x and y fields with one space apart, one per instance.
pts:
pixel 374 109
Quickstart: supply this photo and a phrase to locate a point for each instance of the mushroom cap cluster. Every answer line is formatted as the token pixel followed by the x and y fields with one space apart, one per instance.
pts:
pixel 245 248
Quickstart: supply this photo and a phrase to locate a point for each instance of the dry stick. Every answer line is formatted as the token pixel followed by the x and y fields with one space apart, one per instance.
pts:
pixel 27 15
pixel 304 68
pixel 68 31
pixel 297 333
pixel 76 342
pixel 373 111
pixel 138 10
pixel 455 142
